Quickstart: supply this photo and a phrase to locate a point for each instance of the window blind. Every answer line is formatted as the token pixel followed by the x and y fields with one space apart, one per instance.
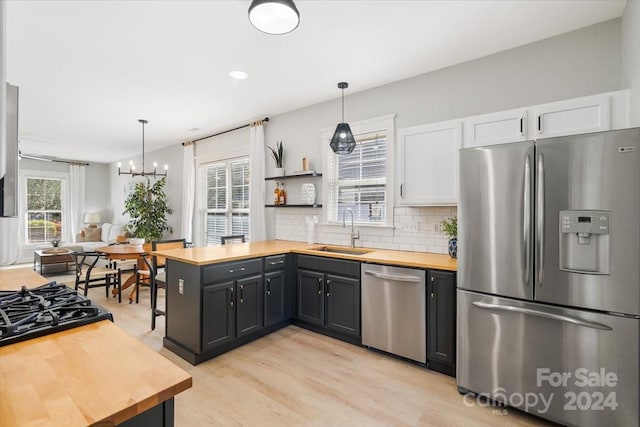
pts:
pixel 224 193
pixel 358 180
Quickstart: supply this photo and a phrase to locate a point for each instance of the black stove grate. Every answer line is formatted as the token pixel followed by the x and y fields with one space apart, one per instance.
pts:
pixel 31 313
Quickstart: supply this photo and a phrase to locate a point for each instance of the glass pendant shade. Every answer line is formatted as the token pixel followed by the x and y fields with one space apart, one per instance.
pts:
pixel 274 16
pixel 343 141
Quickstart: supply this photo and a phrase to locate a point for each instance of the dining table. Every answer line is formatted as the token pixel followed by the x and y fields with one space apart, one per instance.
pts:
pixel 126 252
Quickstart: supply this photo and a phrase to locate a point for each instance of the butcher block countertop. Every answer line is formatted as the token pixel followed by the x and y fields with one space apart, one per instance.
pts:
pixel 216 254
pixel 95 373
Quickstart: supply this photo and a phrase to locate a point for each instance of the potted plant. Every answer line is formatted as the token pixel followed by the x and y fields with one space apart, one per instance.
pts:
pixel 278 156
pixel 147 207
pixel 450 229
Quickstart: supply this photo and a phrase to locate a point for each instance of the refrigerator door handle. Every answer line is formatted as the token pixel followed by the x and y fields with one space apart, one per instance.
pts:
pixel 540 220
pixel 526 205
pixel 528 311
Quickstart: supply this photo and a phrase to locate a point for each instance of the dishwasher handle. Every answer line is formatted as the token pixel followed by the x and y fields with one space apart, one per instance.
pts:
pixel 394 277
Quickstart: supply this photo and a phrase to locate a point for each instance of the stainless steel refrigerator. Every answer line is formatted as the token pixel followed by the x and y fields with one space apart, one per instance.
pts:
pixel 549 277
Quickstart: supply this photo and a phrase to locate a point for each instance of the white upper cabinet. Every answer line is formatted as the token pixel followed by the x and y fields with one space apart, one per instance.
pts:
pixel 594 113
pixel 573 116
pixel 496 128
pixel 427 167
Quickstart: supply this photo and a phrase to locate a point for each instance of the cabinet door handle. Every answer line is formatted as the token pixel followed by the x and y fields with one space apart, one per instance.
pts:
pixel 433 283
pixel 241 294
pixel 402 190
pixel 268 286
pixel 319 285
pixel 237 269
pixel 328 288
pixel 539 123
pixel 275 262
pixel 230 296
pixel 521 126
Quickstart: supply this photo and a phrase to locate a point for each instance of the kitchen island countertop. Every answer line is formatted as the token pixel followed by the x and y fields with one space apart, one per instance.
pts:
pixel 217 254
pixel 81 376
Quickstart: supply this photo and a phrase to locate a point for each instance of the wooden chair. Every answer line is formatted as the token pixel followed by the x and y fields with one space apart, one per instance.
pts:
pixel 91 275
pixel 235 238
pixel 160 273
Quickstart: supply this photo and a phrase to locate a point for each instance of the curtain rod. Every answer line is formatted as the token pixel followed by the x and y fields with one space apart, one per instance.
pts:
pixel 266 119
pixel 52 159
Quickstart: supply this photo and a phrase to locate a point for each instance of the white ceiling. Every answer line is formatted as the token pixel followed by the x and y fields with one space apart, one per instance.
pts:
pixel 88 70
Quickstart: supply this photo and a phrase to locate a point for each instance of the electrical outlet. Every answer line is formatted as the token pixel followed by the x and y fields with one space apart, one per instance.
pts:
pixel 412 228
pixel 436 228
pixel 181 286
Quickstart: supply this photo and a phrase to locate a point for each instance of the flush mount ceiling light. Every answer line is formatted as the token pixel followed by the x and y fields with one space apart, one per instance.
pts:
pixel 343 141
pixel 238 75
pixel 132 166
pixel 274 16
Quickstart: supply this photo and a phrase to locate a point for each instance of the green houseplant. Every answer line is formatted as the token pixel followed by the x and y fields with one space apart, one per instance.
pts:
pixel 450 229
pixel 278 155
pixel 148 209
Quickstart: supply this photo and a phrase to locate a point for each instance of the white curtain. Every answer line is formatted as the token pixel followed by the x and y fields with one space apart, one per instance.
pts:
pixel 188 191
pixel 257 224
pixel 76 198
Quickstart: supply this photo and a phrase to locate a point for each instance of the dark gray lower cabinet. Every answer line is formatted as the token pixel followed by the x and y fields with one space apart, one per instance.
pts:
pixel 441 309
pixel 311 297
pixel 328 296
pixel 230 310
pixel 249 305
pixel 343 304
pixel 275 298
pixel 218 315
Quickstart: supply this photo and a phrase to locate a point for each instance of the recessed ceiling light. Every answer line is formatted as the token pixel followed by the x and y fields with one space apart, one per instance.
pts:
pixel 239 75
pixel 193 129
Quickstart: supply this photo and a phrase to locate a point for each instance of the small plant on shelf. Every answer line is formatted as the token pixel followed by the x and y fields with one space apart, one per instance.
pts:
pixel 278 155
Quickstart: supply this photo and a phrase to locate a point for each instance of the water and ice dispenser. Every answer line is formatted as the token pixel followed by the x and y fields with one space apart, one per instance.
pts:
pixel 584 242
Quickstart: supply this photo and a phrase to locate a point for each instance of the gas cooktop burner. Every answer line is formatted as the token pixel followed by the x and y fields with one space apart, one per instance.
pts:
pixel 30 313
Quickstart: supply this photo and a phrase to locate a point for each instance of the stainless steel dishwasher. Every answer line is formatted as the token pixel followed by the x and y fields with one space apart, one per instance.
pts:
pixel 394 310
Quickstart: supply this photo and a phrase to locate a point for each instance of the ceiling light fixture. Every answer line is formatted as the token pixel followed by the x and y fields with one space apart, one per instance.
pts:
pixel 132 166
pixel 238 75
pixel 343 141
pixel 274 16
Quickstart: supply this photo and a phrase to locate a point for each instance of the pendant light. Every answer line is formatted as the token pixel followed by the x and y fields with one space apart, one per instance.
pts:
pixel 132 166
pixel 274 16
pixel 343 141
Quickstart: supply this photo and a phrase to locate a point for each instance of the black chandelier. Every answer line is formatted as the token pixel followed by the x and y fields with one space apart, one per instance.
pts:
pixel 132 166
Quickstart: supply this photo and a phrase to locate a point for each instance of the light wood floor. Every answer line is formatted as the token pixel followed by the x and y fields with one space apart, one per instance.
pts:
pixel 296 377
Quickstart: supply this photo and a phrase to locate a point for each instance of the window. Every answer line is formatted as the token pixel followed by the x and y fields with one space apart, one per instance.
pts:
pixel 45 214
pixel 224 199
pixel 362 180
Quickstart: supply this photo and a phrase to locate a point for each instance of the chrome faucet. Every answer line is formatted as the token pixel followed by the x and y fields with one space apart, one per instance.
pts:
pixel 354 235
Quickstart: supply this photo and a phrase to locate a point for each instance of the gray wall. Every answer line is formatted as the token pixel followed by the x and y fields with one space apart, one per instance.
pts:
pixel 631 58
pixel 579 63
pixel 171 156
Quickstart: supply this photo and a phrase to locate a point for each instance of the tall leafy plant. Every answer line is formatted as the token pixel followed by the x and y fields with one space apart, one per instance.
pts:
pixel 148 209
pixel 277 153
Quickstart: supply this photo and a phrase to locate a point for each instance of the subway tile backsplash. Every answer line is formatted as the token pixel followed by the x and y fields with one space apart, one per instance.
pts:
pixel 415 229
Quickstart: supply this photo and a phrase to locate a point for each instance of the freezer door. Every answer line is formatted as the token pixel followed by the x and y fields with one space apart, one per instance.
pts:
pixel 495 220
pixel 570 366
pixel 591 174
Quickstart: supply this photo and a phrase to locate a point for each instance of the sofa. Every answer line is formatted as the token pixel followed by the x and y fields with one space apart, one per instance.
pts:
pixel 91 238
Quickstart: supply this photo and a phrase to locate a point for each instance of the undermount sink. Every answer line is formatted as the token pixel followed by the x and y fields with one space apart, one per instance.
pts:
pixel 345 251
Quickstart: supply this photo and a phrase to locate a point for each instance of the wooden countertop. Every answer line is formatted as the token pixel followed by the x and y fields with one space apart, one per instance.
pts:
pixel 216 254
pixel 81 376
